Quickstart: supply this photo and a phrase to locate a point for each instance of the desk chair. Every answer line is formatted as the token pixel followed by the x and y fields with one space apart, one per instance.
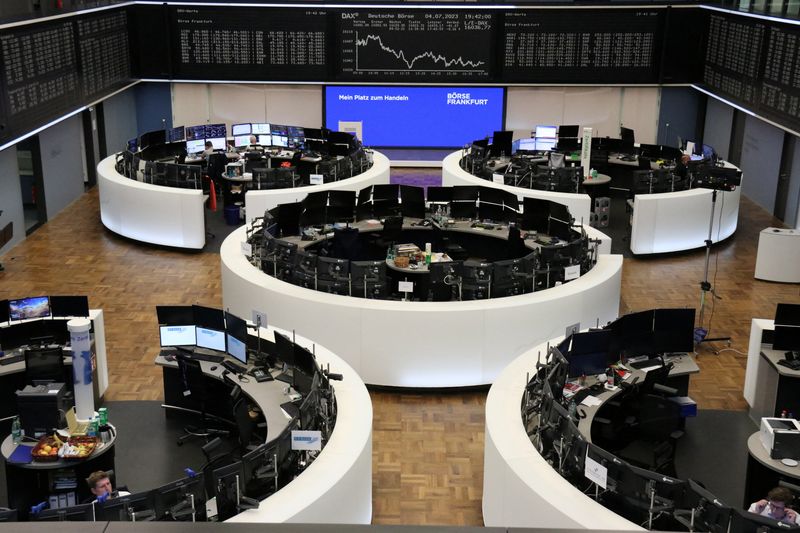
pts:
pixel 346 244
pixel 194 381
pixel 556 160
pixel 44 364
pixel 644 163
pixel 285 177
pixel 244 424
pixel 392 228
pixel 657 428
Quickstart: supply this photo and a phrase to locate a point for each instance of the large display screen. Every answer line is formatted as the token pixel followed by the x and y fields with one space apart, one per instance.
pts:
pixel 443 117
pixel 394 45
pixel 35 307
pixel 211 339
pixel 177 335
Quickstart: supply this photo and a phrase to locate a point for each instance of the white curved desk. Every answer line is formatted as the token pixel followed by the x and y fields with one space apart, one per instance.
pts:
pixel 676 221
pixel 150 213
pixel 422 344
pixel 259 201
pixel 337 486
pixel 520 489
pixel 580 205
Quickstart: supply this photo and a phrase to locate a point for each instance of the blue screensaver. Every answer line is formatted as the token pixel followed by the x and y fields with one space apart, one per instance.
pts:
pixel 416 116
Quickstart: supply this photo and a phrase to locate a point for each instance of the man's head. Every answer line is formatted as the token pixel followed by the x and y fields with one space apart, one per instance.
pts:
pixel 209 145
pixel 99 483
pixel 253 139
pixel 685 158
pixel 779 498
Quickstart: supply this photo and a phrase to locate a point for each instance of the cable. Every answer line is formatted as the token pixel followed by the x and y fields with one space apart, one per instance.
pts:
pixel 731 350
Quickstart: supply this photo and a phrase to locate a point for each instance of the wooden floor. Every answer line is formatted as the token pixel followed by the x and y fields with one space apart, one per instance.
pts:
pixel 427 448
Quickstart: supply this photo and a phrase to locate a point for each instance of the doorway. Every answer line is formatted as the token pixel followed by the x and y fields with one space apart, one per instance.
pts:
pixel 31 183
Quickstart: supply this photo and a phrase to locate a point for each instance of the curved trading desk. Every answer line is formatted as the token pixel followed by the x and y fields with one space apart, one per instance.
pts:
pixel 337 486
pixel 422 344
pixel 258 202
pixel 520 488
pixel 580 205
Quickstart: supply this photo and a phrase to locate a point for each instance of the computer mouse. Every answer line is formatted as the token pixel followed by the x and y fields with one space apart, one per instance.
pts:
pixel 214 367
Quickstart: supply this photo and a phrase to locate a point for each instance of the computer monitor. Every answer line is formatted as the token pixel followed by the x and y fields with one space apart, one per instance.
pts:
pixel 241 141
pixel 44 364
pixel 370 270
pixel 175 315
pixel 507 270
pixel 304 360
pixel 673 330
pixel 302 382
pixel 439 194
pixel 296 137
pixel 501 143
pixel 236 337
pixel 627 137
pixel 218 143
pixel 181 500
pixel 196 133
pixel 176 134
pixel 132 508
pixel 785 314
pixel 560 229
pixel 241 129
pixel 261 128
pixel 568 132
pixel 259 468
pixel 786 338
pixel 265 140
pixel 195 146
pixel 210 338
pixel 280 140
pixel 228 489
pixel 76 513
pixel 215 131
pixel 476 271
pixel 557 376
pixel 314 134
pixel 341 206
pixel 208 317
pixel 177 335
pixel 332 268
pixel 152 138
pixel 535 214
pixel 747 522
pixel 704 509
pixel 284 348
pixel 642 489
pixel 590 353
pixel 68 306
pixel 24 308
pixel 545 132
pixel 288 219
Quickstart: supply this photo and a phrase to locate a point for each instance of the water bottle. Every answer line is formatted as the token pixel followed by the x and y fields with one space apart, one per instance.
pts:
pixel 16 431
pixel 103 416
pixel 91 431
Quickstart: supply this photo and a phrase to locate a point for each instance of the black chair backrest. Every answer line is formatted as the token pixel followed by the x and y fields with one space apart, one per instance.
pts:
pixel 241 414
pixel 216 165
pixel 346 244
pixel 392 227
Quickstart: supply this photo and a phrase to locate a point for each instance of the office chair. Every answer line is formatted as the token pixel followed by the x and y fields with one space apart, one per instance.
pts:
pixel 644 163
pixel 244 423
pixel 44 365
pixel 285 177
pixel 392 228
pixel 657 428
pixel 346 244
pixel 194 381
pixel 556 160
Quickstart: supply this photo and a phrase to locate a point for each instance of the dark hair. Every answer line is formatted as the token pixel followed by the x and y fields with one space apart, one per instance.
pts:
pixel 209 144
pixel 781 494
pixel 94 477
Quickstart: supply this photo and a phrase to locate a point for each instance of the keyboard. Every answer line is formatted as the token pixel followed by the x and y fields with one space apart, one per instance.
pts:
pixel 793 364
pixel 11 359
pixel 646 363
pixel 233 367
pixel 202 355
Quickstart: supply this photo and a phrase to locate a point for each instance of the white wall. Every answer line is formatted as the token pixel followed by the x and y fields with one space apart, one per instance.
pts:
pixel 200 103
pixel 62 164
pixel 601 108
pixel 11 197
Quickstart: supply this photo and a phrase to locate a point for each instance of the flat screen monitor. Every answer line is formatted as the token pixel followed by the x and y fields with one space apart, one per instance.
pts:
pixel 210 338
pixel 236 326
pixel 133 507
pixel 501 143
pixel 588 342
pixel 228 487
pixel 175 315
pixel 786 338
pixel 218 143
pixel 546 132
pixel 587 364
pixel 68 306
pixel 284 348
pixel 215 131
pixel 746 522
pixel 559 212
pixel 265 139
pixel 241 141
pixel 525 145
pixel 261 128
pixel 152 138
pixel 304 360
pixel 208 317
pixel 787 315
pixel 176 134
pixel 568 132
pixel 241 129
pixel 674 330
pixel 278 129
pixel 24 308
pixel 544 145
pixel 236 348
pixel 4 316
pixel 195 133
pixel 626 136
pixel 181 499
pixel 280 140
pixel 178 335
pixel 77 513
pixel 195 146
pixel 439 194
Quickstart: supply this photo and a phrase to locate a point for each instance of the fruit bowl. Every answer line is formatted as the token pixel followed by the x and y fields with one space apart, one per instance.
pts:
pixel 46 450
pixel 79 447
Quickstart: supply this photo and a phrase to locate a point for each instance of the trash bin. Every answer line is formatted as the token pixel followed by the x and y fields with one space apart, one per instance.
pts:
pixel 232 215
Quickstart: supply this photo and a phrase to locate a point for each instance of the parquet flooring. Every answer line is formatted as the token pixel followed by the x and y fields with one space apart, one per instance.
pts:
pixel 427 448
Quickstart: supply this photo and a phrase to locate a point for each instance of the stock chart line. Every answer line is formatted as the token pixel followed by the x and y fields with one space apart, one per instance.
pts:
pixel 468 65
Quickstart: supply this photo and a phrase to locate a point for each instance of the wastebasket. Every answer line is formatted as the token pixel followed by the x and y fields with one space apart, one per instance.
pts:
pixel 232 215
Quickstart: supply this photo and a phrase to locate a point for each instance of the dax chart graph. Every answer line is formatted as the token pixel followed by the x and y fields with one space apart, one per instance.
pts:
pixel 403 45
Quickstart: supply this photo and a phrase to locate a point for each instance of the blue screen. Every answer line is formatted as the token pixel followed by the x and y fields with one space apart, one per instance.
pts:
pixel 416 116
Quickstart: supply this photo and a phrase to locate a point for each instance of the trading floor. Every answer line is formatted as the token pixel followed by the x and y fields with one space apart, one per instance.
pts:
pixel 427 447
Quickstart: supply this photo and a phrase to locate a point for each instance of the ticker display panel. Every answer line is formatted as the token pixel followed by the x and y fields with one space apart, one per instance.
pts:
pixel 581 46
pixel 779 94
pixel 415 45
pixel 249 44
pixel 104 53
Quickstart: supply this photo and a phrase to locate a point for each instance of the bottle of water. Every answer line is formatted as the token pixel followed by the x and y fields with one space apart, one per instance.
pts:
pixel 91 431
pixel 16 431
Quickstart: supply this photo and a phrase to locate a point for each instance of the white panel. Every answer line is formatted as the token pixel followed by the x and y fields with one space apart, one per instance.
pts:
pixel 234 103
pixel 190 103
pixel 528 106
pixel 295 105
pixel 594 107
pixel 640 112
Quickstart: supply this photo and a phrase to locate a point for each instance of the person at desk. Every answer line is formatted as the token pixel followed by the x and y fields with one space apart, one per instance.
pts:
pixel 208 151
pixel 682 166
pixel 776 506
pixel 253 141
pixel 100 486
